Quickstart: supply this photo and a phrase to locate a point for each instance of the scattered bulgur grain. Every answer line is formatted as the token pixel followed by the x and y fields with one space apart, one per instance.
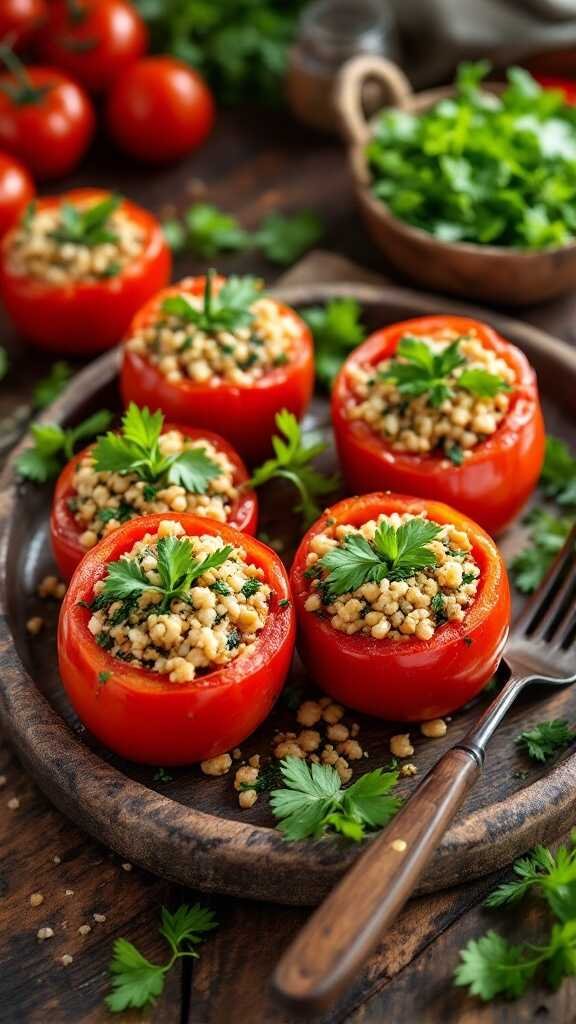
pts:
pixel 400 745
pixel 36 899
pixel 13 804
pixel 288 748
pixel 254 761
pixel 399 845
pixel 407 770
pixel 308 740
pixel 247 798
pixel 236 754
pixel 244 776
pixel 84 929
pixel 126 866
pixel 434 729
pixel 337 733
pixel 56 859
pixel 69 892
pixel 332 713
pixel 66 959
pixel 99 918
pixel 44 933
pixel 350 749
pixel 217 765
pixel 3 780
pixel 309 713
pixel 35 625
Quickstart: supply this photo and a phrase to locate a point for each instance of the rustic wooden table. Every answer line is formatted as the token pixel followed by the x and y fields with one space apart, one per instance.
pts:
pixel 255 162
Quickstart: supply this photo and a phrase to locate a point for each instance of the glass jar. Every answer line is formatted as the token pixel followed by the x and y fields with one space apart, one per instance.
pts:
pixel 329 33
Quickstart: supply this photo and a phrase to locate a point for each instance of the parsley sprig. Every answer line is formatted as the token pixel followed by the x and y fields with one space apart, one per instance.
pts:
pixel 546 739
pixel 395 553
pixel 178 569
pixel 418 370
pixel 207 231
pixel 223 310
pixel 135 981
pixel 54 445
pixel 313 801
pixel 292 461
pixel 136 449
pixel 558 478
pixel 337 329
pixel 48 388
pixel 87 225
pixel 491 966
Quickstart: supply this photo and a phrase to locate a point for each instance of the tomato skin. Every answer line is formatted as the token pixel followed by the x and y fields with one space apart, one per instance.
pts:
pixel 16 191
pixel 492 484
pixel 19 20
pixel 65 532
pixel 80 318
pixel 50 135
pixel 140 716
pixel 159 109
pixel 408 680
pixel 95 46
pixel 245 415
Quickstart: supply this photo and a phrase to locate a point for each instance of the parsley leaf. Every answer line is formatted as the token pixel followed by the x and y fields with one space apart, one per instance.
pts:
pixel 476 167
pixel 53 445
pixel 558 478
pixel 314 802
pixel 491 966
pixel 546 739
pixel 89 225
pixel 136 449
pixel 223 310
pixel 425 372
pixel 337 329
pixel 292 462
pixel 47 390
pixel 285 238
pixel 135 981
pixel 395 553
pixel 547 536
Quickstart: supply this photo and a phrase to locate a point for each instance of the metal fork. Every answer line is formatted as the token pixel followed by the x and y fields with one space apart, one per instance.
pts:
pixel 340 936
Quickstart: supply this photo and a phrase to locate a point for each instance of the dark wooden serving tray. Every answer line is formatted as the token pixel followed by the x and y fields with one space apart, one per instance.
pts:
pixel 190 829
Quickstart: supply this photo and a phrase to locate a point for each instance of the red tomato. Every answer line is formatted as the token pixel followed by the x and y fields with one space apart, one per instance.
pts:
pixel 19 20
pixel 80 318
pixel 46 120
pixel 159 109
pixel 138 713
pixel 566 85
pixel 242 413
pixel 94 40
pixel 407 680
pixel 16 191
pixel 65 531
pixel 493 483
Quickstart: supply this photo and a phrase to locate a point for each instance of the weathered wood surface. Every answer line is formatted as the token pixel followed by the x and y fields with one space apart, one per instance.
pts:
pixel 254 162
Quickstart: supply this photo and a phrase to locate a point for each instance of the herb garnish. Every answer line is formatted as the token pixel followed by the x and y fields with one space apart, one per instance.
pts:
pixel 135 981
pixel 425 372
pixel 53 445
pixel 292 462
pixel 548 533
pixel 546 739
pixel 223 310
pixel 177 568
pixel 136 449
pixel 558 478
pixel 313 801
pixel 48 388
pixel 337 329
pixel 396 553
pixel 87 225
pixel 492 966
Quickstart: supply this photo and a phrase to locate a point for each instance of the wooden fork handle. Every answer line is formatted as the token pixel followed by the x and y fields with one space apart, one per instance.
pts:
pixel 340 936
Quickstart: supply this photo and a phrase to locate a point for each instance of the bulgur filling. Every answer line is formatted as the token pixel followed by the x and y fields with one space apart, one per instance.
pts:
pixel 234 335
pixel 446 393
pixel 395 576
pixel 194 605
pixel 103 500
pixel 85 241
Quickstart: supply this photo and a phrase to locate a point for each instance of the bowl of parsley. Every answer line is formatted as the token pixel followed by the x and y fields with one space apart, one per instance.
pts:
pixel 469 189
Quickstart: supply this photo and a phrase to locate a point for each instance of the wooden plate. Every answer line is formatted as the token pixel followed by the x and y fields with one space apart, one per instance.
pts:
pixel 190 829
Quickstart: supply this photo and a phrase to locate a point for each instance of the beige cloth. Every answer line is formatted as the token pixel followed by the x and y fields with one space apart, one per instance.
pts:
pixel 438 34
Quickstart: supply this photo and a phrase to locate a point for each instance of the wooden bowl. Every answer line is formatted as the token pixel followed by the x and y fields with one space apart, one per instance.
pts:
pixel 492 273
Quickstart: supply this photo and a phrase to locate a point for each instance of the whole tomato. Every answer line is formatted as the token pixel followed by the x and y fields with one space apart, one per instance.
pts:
pixel 139 713
pixel 84 317
pixel 46 120
pixel 159 109
pixel 407 680
pixel 65 530
pixel 92 40
pixel 492 484
pixel 16 191
pixel 19 20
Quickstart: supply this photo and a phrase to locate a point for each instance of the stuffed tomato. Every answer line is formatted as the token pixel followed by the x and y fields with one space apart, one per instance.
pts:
pixel 175 637
pixel 441 407
pixel 403 606
pixel 218 354
pixel 77 267
pixel 147 467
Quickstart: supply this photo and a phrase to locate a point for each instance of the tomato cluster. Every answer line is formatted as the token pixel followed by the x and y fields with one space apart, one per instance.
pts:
pixel 156 108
